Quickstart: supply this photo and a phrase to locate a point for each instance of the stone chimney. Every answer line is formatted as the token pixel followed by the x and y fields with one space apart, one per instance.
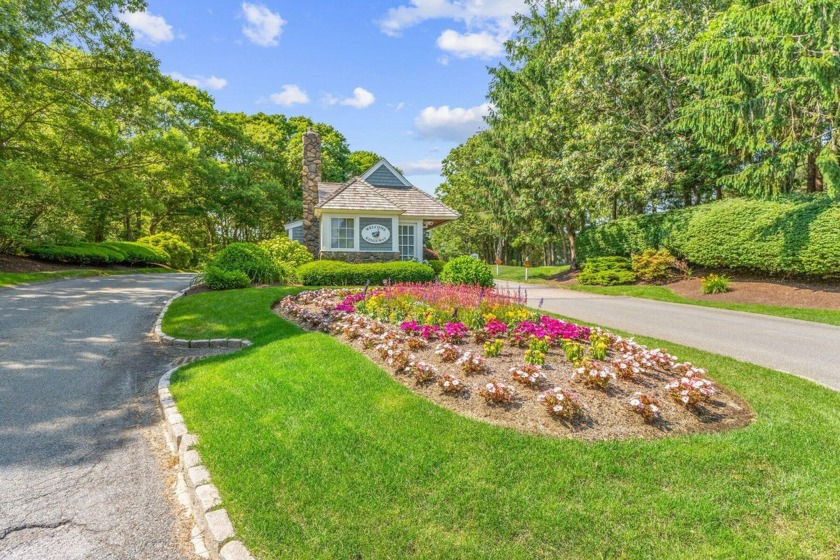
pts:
pixel 311 178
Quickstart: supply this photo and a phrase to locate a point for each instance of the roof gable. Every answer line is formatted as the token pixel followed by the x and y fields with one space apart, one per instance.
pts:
pixel 358 194
pixel 383 174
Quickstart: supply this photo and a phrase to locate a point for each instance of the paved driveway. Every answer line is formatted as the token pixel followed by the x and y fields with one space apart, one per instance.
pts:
pixel 79 474
pixel 807 349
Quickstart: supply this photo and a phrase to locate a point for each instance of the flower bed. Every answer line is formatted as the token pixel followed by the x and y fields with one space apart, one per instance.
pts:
pixel 466 349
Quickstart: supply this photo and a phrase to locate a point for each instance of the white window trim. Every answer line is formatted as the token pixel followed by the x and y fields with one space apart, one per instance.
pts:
pixel 418 238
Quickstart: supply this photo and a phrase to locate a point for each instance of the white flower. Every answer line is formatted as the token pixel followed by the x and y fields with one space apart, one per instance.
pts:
pixel 635 402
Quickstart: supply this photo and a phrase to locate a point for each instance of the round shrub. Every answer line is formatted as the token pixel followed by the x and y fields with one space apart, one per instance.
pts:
pixel 339 273
pixel 653 266
pixel 255 262
pixel 217 279
pixel 181 255
pixel 467 270
pixel 284 250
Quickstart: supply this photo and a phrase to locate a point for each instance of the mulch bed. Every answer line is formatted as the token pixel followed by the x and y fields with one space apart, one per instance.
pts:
pixel 608 416
pixel 785 293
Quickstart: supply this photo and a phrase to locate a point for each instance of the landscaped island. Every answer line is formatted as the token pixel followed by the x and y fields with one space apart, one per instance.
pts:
pixel 483 354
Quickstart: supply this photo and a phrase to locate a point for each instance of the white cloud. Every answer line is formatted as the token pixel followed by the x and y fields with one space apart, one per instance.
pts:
pixel 205 82
pixel 290 94
pixel 263 27
pixel 456 123
pixel 464 45
pixel 361 98
pixel 421 167
pixel 148 27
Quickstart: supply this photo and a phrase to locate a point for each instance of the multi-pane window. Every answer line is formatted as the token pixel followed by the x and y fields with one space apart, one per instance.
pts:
pixel 343 233
pixel 407 243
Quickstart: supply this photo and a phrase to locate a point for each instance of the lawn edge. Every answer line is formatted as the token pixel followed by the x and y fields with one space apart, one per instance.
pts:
pixel 194 488
pixel 167 340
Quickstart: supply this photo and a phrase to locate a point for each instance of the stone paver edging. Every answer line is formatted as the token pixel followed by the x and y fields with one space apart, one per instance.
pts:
pixel 194 487
pixel 201 343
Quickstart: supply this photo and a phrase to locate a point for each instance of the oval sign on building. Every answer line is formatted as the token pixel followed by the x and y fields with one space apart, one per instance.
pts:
pixel 376 233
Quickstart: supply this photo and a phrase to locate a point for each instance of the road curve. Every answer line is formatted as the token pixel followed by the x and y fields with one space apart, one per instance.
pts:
pixel 79 476
pixel 803 348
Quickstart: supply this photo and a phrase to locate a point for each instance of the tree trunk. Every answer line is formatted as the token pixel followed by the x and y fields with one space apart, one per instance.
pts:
pixel 615 207
pixel 572 252
pixel 718 192
pixel 811 184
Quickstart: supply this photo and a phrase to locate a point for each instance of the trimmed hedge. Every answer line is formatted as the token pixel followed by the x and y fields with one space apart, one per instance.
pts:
pixel 789 235
pixel 467 270
pixel 437 265
pixel 339 273
pixel 117 252
pixel 217 279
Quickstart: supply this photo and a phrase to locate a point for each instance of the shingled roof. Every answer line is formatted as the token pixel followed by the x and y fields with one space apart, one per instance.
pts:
pixel 383 188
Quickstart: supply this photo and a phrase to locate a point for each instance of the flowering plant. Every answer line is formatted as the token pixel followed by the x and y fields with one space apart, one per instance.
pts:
pixel 455 332
pixel 495 328
pixel 647 406
pixel 574 352
pixel 493 349
pixel 447 352
pixel 626 366
pixel 450 384
pixel 562 403
pixel 534 357
pixel 398 359
pixel 429 331
pixel 421 371
pixel 415 343
pixel 472 364
pixel 561 330
pixel 595 374
pixel 528 374
pixel 410 327
pixel 498 393
pixel 691 390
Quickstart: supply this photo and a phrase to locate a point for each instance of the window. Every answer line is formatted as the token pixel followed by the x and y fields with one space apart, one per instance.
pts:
pixel 407 243
pixel 343 233
pixel 296 234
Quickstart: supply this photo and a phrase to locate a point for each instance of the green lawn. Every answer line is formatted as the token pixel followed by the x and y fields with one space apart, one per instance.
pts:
pixel 318 453
pixel 11 278
pixel 535 274
pixel 661 293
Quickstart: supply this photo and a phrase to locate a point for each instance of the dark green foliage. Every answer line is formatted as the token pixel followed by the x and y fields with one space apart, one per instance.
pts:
pixel 467 270
pixel 124 252
pixel 254 261
pixel 607 271
pixel 652 265
pixel 338 273
pixel 787 235
pixel 437 265
pixel 218 279
pixel 180 253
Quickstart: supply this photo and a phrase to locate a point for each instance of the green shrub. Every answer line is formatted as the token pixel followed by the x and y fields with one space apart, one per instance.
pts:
pixel 467 270
pixel 254 261
pixel 787 235
pixel 284 250
pixel 181 255
pixel 606 271
pixel 218 279
pixel 714 284
pixel 138 253
pixel 338 273
pixel 437 265
pixel 652 265
pixel 100 253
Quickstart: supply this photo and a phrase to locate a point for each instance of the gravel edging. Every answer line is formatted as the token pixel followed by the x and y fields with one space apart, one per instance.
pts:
pixel 195 488
pixel 199 343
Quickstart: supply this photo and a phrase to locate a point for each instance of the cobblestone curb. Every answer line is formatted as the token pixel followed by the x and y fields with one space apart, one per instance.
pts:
pixel 213 536
pixel 215 533
pixel 183 343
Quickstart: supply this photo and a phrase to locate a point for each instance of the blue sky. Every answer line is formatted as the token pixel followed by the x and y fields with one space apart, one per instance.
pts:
pixel 404 78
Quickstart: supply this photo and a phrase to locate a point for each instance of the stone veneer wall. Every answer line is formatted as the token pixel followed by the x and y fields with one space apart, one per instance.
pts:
pixel 360 257
pixel 311 178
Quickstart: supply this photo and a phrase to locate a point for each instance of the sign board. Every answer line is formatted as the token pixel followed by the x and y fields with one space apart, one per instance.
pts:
pixel 376 233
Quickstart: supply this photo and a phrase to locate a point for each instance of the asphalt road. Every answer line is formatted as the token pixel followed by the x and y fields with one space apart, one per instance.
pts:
pixel 810 350
pixel 80 440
